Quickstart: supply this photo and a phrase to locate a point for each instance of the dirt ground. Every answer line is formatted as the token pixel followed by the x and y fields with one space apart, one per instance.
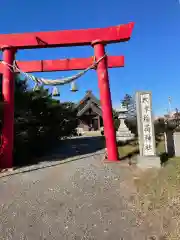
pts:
pixel 83 199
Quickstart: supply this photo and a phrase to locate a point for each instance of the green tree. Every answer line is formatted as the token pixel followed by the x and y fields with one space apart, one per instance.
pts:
pixel 116 120
pixel 127 100
pixel 40 122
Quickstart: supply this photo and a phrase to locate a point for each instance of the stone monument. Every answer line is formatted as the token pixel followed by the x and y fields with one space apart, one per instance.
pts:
pixel 147 146
pixel 123 133
pixel 176 137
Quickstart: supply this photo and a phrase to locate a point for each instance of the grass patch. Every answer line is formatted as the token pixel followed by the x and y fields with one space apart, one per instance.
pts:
pixel 158 198
pixel 126 150
pixel 157 202
pixel 160 147
pixel 132 148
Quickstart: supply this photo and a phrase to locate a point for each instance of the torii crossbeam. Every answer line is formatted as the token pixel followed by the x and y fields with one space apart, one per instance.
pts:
pixel 97 38
pixel 64 64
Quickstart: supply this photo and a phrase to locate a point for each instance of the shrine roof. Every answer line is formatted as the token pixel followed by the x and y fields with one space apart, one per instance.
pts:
pixel 89 95
pixel 89 101
pixel 90 105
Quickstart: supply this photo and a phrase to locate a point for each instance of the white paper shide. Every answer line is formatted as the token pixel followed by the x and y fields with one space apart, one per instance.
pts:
pixel 148 139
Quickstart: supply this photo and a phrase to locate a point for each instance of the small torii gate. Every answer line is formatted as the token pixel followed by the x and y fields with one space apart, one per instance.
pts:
pixel 97 38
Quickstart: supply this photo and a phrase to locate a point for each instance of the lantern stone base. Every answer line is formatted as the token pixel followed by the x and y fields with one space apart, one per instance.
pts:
pixel 124 134
pixel 148 162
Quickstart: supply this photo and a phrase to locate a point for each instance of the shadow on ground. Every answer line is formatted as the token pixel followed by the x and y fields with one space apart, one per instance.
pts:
pixel 164 158
pixel 71 148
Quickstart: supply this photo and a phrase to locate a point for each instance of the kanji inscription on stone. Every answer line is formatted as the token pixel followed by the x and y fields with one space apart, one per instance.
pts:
pixel 145 123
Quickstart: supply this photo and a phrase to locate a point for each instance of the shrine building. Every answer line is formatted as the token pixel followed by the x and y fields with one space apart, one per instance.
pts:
pixel 89 113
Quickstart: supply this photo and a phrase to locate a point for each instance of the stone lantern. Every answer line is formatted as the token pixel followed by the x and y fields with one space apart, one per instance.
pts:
pixel 123 133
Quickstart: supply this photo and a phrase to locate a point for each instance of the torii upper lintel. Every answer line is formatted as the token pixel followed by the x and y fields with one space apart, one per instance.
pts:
pixel 67 37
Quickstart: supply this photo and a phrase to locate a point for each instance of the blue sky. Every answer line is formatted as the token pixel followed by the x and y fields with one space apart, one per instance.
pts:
pixel 152 56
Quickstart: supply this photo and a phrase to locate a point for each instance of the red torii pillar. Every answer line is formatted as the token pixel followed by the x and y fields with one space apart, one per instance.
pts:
pixel 8 113
pixel 10 42
pixel 106 104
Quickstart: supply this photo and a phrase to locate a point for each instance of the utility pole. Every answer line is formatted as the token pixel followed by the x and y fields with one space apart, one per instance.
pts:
pixel 169 103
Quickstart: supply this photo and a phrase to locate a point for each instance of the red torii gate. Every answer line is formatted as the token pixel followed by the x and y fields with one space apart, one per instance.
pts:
pixel 10 43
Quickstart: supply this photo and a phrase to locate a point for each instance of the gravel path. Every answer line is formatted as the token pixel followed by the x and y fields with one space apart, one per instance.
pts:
pixel 83 199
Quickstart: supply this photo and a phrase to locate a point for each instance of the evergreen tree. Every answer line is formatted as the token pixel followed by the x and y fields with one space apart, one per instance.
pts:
pixel 40 122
